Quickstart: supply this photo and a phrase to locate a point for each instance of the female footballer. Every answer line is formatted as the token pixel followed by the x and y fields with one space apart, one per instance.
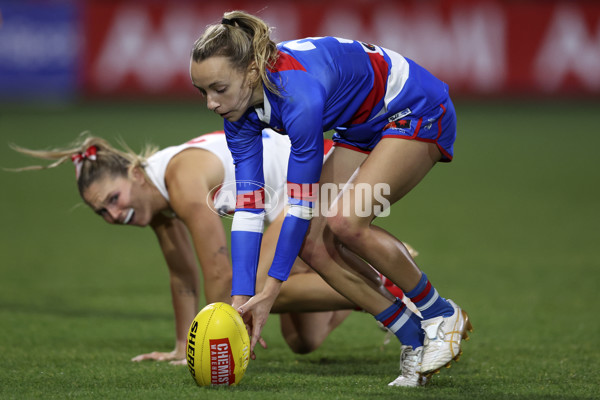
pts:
pixel 393 122
pixel 182 192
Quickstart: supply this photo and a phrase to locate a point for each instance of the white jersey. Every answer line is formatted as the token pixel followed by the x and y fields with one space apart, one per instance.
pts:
pixel 276 151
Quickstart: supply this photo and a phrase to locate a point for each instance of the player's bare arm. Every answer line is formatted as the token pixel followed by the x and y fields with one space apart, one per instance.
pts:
pixel 189 193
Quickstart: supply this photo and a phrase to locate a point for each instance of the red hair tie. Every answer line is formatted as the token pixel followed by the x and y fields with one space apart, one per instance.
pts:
pixel 77 158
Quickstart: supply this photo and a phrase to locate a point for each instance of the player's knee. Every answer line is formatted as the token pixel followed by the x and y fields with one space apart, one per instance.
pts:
pixel 313 253
pixel 303 345
pixel 345 229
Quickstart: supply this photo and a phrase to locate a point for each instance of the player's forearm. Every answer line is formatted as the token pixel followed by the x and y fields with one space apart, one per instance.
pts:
pixel 246 237
pixel 271 289
pixel 217 281
pixel 185 305
pixel 290 241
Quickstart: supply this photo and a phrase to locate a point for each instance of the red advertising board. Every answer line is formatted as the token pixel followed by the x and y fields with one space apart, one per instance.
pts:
pixel 137 48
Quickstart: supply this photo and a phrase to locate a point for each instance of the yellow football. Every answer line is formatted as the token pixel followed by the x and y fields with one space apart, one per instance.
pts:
pixel 218 346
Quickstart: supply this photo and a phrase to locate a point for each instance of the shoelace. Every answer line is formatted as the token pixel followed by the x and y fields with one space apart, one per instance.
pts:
pixel 409 363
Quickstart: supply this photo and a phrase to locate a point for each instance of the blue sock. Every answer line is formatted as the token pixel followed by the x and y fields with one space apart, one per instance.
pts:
pixel 415 318
pixel 397 318
pixel 428 301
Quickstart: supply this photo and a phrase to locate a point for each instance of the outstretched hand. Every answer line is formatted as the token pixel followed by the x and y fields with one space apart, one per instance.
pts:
pixel 172 356
pixel 255 313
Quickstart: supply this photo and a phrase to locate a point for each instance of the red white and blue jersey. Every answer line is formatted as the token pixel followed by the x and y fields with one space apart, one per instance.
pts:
pixel 358 90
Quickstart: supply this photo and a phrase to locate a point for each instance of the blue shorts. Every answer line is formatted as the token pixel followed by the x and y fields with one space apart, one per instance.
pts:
pixel 436 126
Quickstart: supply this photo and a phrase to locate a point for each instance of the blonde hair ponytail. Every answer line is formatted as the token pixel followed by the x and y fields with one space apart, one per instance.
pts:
pixel 242 38
pixel 107 159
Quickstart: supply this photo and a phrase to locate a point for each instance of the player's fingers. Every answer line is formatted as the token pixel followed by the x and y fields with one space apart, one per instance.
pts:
pixel 247 307
pixel 249 328
pixel 178 362
pixel 245 311
pixel 253 340
pixel 262 342
pixel 256 330
pixel 252 344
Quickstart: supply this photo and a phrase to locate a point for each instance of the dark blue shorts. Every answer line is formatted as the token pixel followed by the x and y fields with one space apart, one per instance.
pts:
pixel 436 126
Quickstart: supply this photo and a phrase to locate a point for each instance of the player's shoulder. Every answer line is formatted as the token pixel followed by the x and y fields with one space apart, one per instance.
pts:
pixel 199 150
pixel 191 174
pixel 206 139
pixel 314 43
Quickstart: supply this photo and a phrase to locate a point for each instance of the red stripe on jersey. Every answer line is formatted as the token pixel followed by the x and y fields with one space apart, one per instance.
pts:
pixel 391 319
pixel 285 62
pixel 444 152
pixel 202 138
pixel 350 147
pixel 380 73
pixel 417 128
pixel 327 146
pixel 440 122
pixel 254 199
pixel 303 191
pixel 423 294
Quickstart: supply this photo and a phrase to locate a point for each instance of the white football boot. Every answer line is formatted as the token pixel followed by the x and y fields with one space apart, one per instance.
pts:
pixel 442 339
pixel 410 367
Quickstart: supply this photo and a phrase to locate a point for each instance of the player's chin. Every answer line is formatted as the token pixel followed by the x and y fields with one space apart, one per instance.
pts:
pixel 143 224
pixel 141 221
pixel 231 116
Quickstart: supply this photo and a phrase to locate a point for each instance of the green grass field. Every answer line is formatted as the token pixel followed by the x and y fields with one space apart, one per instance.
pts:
pixel 509 230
